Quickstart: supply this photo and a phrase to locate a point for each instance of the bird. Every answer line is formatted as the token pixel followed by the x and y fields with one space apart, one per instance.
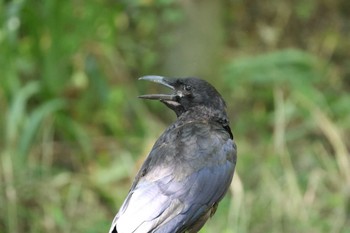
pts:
pixel 190 167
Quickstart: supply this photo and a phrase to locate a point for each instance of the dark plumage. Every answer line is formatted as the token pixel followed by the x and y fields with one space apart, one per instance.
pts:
pixel 189 168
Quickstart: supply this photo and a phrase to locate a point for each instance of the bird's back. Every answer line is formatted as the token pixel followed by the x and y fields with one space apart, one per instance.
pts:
pixel 179 185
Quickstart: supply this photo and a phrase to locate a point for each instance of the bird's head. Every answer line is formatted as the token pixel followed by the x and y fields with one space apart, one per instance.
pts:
pixel 187 94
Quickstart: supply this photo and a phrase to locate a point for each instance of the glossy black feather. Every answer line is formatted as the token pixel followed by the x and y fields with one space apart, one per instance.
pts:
pixel 186 174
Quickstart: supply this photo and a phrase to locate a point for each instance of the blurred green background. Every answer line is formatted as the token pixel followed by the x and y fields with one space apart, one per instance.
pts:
pixel 73 132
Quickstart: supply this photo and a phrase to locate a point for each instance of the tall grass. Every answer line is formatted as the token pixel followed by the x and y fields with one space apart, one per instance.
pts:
pixel 21 127
pixel 73 133
pixel 295 170
pixel 292 172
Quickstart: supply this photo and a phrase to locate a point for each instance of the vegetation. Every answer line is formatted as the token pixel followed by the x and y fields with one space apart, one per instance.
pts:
pixel 73 134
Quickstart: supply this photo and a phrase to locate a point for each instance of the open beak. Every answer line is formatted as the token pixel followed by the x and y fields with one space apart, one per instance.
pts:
pixel 164 82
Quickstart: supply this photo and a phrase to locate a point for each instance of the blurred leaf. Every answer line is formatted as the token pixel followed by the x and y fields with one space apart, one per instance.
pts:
pixel 74 131
pixel 305 9
pixel 32 124
pixel 17 109
pixel 280 67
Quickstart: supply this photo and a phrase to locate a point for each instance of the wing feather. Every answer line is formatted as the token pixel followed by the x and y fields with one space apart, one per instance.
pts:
pixel 181 183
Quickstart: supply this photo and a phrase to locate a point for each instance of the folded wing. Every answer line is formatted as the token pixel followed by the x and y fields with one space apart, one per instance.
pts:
pixel 178 184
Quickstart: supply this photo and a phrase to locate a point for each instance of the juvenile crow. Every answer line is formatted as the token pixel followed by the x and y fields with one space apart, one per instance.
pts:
pixel 189 168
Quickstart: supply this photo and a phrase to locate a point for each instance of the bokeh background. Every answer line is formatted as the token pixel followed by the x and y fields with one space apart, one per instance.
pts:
pixel 73 132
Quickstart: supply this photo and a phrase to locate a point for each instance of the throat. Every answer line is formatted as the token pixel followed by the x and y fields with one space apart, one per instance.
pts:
pixel 202 113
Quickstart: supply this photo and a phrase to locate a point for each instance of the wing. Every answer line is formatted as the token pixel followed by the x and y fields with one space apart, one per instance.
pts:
pixel 179 182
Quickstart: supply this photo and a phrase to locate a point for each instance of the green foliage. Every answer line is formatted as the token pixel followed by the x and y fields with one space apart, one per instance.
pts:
pixel 289 166
pixel 73 133
pixel 281 67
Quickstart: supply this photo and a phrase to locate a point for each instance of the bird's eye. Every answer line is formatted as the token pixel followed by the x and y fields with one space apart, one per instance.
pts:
pixel 187 88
